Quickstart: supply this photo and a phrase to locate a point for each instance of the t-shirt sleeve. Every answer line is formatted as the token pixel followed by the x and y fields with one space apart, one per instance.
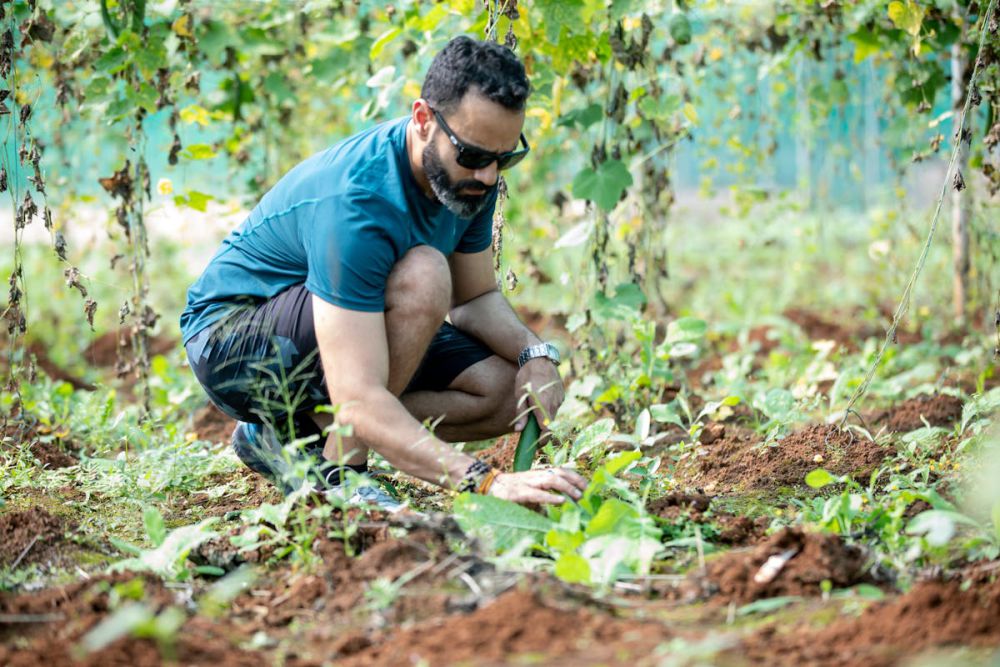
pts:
pixel 479 234
pixel 354 243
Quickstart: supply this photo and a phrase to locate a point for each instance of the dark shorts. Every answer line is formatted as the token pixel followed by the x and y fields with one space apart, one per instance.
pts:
pixel 260 362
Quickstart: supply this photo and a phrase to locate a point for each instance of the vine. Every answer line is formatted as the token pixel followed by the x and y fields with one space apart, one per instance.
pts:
pixel 15 176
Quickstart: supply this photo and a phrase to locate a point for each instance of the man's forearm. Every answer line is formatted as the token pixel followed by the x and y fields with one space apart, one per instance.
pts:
pixel 383 423
pixel 490 318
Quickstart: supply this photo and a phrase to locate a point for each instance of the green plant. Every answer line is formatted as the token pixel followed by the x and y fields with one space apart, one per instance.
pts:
pixel 168 556
pixel 604 536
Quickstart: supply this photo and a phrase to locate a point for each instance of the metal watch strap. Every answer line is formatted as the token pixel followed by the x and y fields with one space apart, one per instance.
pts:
pixel 546 350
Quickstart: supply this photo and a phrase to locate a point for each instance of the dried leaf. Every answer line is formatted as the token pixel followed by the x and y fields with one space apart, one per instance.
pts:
pixel 73 280
pixel 60 246
pixel 89 308
pixel 120 183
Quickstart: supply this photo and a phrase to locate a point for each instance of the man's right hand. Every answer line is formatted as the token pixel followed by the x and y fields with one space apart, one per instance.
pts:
pixel 537 486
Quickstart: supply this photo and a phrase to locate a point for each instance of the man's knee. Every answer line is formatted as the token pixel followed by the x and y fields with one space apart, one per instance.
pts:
pixel 420 284
pixel 493 380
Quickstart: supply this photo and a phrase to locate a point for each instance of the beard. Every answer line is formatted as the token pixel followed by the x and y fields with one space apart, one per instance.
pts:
pixel 447 192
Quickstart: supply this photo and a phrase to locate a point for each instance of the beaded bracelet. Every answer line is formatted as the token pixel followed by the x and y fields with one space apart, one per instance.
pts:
pixel 474 476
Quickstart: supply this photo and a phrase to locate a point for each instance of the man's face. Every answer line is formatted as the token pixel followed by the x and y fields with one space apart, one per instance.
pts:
pixel 481 123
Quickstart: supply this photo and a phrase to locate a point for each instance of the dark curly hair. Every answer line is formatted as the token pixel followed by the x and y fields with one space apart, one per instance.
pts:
pixel 465 63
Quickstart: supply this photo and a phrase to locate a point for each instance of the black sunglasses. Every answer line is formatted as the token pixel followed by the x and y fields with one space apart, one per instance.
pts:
pixel 472 157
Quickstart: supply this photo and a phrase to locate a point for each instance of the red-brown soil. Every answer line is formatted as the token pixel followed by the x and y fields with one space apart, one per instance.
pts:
pixel 516 623
pixel 817 327
pixel 933 614
pixel 737 576
pixel 53 370
pixel 45 447
pixel 733 529
pixel 29 535
pixel 62 616
pixel 736 459
pixel 103 351
pixel 212 424
pixel 501 453
pixel 937 410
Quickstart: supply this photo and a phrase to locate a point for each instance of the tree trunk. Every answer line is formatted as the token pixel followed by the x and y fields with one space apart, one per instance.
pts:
pixel 961 200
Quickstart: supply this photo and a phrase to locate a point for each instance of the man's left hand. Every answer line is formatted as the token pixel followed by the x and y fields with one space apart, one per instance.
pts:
pixel 540 388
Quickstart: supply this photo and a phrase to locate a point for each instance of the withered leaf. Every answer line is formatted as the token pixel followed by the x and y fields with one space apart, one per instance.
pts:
pixel 25 114
pixel 38 28
pixel 73 280
pixel 119 184
pixel 511 280
pixel 89 308
pixel 60 246
pixel 175 150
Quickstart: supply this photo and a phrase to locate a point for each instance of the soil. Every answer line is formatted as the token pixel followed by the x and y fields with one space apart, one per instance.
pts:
pixel 47 451
pixel 933 614
pixel 736 460
pixel 821 328
pixel 30 535
pixel 516 623
pixel 55 371
pixel 733 529
pixel 937 410
pixel 740 577
pixel 103 351
pixel 212 424
pixel 501 453
pixel 62 616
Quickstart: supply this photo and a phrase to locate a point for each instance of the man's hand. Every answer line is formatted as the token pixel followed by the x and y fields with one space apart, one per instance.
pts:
pixel 537 486
pixel 539 388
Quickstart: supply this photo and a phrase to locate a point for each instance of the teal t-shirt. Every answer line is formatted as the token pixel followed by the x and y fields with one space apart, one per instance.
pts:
pixel 338 222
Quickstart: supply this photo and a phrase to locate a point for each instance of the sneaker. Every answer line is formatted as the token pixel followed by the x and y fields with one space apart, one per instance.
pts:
pixel 367 493
pixel 260 449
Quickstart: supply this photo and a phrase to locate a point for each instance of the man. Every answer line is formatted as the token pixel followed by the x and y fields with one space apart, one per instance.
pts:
pixel 359 253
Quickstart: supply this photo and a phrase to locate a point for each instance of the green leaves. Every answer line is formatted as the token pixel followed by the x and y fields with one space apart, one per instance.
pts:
pixel 627 302
pixel 170 550
pixel 680 29
pixel 605 535
pixel 603 186
pixel 819 478
pixel 906 16
pixel 500 524
pixel 559 16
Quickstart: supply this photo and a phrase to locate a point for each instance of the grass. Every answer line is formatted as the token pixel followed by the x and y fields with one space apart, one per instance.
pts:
pixel 129 464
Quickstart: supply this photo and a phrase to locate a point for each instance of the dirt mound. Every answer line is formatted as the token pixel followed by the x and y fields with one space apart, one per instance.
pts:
pixel 43 446
pixel 212 424
pixel 790 562
pixel 29 536
pixel 738 460
pixel 674 505
pixel 501 453
pixel 732 529
pixel 103 351
pixel 517 622
pixel 52 622
pixel 817 327
pixel 937 410
pixel 932 614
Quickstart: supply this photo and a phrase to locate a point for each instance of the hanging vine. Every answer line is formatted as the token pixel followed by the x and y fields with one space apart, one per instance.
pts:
pixel 15 176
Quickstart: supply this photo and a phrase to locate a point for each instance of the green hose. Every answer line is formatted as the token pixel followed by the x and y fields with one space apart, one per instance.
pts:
pixel 524 455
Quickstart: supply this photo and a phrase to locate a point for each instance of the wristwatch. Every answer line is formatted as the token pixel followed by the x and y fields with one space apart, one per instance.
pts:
pixel 547 350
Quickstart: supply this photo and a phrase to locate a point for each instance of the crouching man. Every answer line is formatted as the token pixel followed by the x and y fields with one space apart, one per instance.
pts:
pixel 336 288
